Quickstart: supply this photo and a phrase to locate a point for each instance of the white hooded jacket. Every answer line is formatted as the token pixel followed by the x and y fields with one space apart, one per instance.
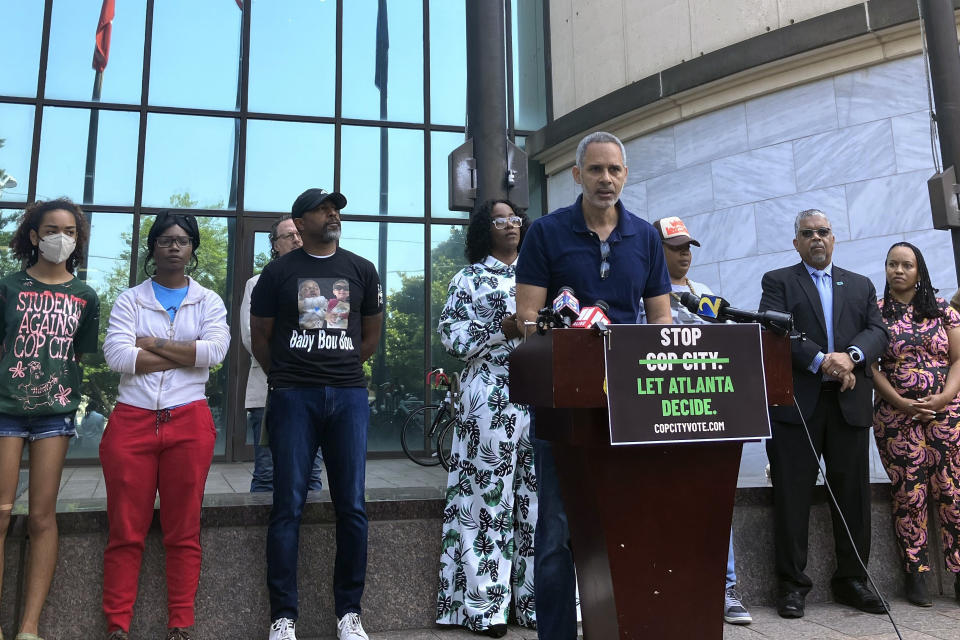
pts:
pixel 136 314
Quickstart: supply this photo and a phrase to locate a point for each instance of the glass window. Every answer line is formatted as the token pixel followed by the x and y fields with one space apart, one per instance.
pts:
pixel 404 41
pixel 261 256
pixel 73 30
pixel 283 159
pixel 396 371
pixel 16 142
pixel 20 47
pixel 195 58
pixel 62 167
pixel 447 245
pixel 291 40
pixel 363 156
pixel 448 62
pixel 214 270
pixel 261 250
pixel 9 218
pixel 189 161
pixel 108 272
pixel 529 83
pixel 441 144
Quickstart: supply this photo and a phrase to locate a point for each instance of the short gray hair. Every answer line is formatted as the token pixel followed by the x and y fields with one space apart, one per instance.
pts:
pixel 598 136
pixel 806 213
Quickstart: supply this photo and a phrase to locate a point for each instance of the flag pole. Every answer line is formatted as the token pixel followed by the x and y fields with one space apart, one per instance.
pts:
pixel 101 54
pixel 89 175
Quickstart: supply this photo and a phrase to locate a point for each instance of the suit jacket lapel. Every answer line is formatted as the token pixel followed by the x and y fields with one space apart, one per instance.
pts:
pixel 839 294
pixel 810 289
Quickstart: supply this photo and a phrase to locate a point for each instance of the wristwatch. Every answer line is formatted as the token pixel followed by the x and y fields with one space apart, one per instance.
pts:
pixel 855 355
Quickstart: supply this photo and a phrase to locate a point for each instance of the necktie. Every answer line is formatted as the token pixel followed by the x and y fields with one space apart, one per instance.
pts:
pixel 825 289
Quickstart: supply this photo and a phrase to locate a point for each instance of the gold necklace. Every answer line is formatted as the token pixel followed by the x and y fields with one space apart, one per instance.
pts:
pixel 676 296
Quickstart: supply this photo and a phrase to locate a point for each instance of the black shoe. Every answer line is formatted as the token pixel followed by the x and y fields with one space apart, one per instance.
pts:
pixel 495 631
pixel 916 589
pixel 956 586
pixel 855 593
pixel 791 605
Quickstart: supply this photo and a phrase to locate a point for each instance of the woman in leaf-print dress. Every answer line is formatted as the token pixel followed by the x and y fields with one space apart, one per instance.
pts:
pixel 486 565
pixel 917 414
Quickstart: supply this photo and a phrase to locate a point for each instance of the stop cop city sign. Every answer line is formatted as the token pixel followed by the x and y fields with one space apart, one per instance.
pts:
pixel 685 383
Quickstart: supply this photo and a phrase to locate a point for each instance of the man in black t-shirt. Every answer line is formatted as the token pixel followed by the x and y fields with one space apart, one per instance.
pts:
pixel 313 352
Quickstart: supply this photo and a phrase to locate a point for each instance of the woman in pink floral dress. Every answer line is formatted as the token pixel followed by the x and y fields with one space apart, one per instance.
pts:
pixel 917 414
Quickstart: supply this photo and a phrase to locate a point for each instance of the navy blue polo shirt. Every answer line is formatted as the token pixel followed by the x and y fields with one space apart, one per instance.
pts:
pixel 560 251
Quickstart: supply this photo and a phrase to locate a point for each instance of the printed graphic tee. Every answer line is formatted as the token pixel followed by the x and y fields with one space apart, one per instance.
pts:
pixel 44 326
pixel 317 305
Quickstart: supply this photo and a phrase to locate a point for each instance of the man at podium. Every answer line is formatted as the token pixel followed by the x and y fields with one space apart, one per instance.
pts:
pixel 844 333
pixel 602 252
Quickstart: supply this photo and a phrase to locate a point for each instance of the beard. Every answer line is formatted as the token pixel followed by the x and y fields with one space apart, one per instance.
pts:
pixel 330 235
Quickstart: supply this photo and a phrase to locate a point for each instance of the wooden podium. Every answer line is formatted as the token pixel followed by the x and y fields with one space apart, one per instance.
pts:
pixel 649 524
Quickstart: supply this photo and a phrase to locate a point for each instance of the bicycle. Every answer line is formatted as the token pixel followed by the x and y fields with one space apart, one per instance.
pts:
pixel 427 434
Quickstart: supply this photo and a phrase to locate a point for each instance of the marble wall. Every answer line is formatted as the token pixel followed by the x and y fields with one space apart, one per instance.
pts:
pixel 856 146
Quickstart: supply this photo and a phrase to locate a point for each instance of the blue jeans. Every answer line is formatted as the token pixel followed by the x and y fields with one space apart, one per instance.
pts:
pixel 556 581
pixel 731 569
pixel 262 480
pixel 301 420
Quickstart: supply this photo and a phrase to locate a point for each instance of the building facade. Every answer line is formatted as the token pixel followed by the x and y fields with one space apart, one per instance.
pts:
pixel 738 114
pixel 228 110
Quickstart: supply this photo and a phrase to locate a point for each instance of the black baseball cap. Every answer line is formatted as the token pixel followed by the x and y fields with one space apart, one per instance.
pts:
pixel 313 198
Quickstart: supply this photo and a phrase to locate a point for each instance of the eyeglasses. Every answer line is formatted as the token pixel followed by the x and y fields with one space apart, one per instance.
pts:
pixel 341 287
pixel 513 221
pixel 166 242
pixel 823 232
pixel 288 236
pixel 604 265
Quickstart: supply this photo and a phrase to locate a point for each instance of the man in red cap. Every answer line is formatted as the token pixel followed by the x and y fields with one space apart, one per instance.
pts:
pixel 676 242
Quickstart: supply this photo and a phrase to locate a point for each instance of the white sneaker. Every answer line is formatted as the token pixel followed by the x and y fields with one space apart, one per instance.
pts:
pixel 282 629
pixel 349 628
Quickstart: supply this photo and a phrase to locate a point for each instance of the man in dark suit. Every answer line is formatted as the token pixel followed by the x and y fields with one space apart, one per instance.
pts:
pixel 833 388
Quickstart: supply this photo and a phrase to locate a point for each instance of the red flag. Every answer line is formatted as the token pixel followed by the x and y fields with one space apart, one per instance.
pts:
pixel 104 27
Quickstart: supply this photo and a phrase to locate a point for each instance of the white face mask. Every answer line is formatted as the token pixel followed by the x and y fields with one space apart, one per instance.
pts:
pixel 56 248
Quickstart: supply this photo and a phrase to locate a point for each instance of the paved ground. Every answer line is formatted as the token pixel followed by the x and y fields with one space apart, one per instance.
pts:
pixel 87 481
pixel 80 483
pixel 822 622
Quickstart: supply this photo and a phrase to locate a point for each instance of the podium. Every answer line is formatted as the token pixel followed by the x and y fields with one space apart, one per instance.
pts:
pixel 650 523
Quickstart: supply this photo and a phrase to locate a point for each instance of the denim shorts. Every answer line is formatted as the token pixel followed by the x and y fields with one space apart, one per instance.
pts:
pixel 37 427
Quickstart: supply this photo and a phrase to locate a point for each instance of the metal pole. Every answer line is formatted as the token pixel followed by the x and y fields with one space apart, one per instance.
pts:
pixel 940 25
pixel 91 167
pixel 381 79
pixel 486 96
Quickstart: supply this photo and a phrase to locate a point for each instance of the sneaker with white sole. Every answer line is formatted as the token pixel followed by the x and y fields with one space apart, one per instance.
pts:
pixel 733 610
pixel 283 629
pixel 349 628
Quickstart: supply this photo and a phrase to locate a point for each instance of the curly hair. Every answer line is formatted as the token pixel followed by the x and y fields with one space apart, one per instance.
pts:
pixel 31 220
pixel 925 300
pixel 479 242
pixel 165 220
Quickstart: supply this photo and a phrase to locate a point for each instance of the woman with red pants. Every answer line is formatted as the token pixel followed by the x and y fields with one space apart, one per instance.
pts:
pixel 164 336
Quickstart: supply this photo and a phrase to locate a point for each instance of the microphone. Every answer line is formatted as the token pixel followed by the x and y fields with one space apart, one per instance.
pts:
pixel 594 316
pixel 547 319
pixel 566 306
pixel 715 308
